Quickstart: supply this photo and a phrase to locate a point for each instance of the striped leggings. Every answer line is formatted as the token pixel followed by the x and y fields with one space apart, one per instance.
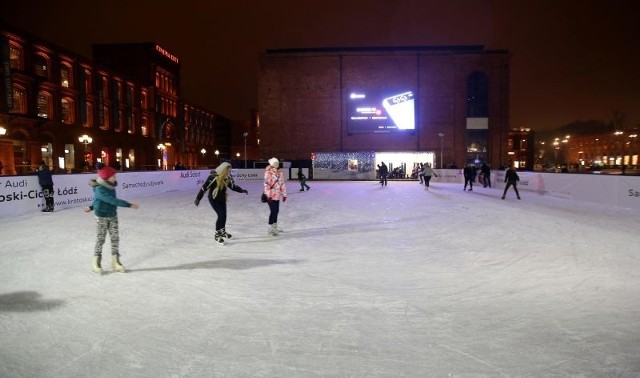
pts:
pixel 103 225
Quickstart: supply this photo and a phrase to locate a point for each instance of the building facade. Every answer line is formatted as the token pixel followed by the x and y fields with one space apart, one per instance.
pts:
pixel 123 108
pixel 450 101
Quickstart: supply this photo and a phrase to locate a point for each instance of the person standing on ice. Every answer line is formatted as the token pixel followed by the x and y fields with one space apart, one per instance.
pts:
pixel 427 172
pixel 274 188
pixel 105 206
pixel 216 184
pixel 45 179
pixel 511 178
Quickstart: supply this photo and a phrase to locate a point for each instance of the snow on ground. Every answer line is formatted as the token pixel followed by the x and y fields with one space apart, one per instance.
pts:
pixel 364 282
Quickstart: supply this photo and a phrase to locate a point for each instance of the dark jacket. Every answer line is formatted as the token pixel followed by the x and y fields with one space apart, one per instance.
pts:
pixel 213 193
pixel 44 176
pixel 511 176
pixel 105 203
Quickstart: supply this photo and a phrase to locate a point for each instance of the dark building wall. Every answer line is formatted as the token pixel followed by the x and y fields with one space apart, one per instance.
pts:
pixel 302 100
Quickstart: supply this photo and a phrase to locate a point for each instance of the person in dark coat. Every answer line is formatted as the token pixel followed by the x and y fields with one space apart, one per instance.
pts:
pixel 486 175
pixel 469 173
pixel 383 171
pixel 216 186
pixel 511 178
pixel 45 179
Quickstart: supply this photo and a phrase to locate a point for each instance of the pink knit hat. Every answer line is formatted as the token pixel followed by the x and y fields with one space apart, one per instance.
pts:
pixel 106 172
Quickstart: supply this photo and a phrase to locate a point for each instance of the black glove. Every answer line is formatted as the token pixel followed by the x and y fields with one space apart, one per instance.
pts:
pixel 284 199
pixel 245 191
pixel 196 202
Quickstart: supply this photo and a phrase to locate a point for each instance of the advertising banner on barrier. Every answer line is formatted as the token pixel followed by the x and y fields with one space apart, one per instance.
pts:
pixel 22 194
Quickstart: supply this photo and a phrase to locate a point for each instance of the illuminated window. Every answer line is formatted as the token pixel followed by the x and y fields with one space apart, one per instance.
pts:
pixel 143 126
pixel 67 110
pixel 119 91
pixel 44 104
pixel 131 124
pixel 16 56
pixel 19 100
pixel 41 66
pixel 65 76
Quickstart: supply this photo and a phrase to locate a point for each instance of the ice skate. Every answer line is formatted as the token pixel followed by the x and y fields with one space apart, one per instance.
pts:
pixel 225 234
pixel 96 264
pixel 115 264
pixel 218 238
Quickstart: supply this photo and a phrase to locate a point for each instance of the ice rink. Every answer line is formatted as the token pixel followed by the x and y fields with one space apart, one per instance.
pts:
pixel 363 282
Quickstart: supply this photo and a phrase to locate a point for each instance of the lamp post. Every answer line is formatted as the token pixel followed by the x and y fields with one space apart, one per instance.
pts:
pixel 245 135
pixel 217 156
pixel 203 151
pixel 86 140
pixel 441 135
pixel 161 148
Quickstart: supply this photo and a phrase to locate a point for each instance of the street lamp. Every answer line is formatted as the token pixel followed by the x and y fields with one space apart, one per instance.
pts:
pixel 217 156
pixel 86 140
pixel 441 135
pixel 161 147
pixel 245 135
pixel 3 131
pixel 203 151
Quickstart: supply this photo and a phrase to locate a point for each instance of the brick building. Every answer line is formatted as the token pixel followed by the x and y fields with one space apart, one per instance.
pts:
pixel 122 108
pixel 451 101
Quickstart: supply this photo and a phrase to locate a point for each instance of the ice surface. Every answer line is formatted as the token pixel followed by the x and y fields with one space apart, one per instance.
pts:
pixel 364 282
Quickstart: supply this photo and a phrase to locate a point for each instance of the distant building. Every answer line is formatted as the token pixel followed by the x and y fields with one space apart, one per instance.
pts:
pixel 591 150
pixel 122 109
pixel 521 146
pixel 450 102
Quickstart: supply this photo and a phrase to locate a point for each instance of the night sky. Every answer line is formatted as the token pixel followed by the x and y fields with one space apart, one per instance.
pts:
pixel 572 60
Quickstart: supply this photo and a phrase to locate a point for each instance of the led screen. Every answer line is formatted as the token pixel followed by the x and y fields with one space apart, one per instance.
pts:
pixel 378 112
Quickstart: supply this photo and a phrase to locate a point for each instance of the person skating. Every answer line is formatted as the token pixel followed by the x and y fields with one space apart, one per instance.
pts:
pixel 45 179
pixel 105 207
pixel 216 186
pixel 303 180
pixel 275 189
pixel 511 178
pixel 469 173
pixel 383 171
pixel 427 172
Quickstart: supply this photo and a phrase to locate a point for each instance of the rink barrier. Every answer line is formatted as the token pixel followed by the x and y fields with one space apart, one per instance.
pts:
pixel 22 194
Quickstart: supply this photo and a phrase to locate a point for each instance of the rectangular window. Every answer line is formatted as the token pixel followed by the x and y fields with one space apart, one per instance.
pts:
pixel 65 76
pixel 88 88
pixel 89 121
pixel 143 126
pixel 19 101
pixel 44 104
pixel 15 57
pixel 67 110
pixel 41 66
pixel 143 100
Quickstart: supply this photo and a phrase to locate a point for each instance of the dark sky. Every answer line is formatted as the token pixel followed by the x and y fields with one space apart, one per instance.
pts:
pixel 572 60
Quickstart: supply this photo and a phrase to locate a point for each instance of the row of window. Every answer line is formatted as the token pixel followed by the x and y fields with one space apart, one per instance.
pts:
pixel 99 91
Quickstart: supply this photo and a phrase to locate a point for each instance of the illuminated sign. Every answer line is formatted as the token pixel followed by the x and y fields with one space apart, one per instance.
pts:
pixel 167 54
